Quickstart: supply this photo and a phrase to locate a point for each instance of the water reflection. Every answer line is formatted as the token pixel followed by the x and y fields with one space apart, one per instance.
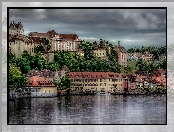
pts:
pixel 98 109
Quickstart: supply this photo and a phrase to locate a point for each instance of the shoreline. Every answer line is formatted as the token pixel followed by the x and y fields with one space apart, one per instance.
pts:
pixel 14 98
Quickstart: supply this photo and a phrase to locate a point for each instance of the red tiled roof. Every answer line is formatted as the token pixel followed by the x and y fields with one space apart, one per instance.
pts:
pixel 161 79
pixel 37 81
pixel 51 34
pixel 19 37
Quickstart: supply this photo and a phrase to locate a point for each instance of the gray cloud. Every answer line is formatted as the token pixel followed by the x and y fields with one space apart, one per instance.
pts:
pixel 133 27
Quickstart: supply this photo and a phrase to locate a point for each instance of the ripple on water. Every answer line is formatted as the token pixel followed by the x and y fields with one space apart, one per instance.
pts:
pixel 90 110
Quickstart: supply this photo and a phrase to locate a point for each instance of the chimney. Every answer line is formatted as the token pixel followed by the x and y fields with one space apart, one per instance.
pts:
pixel 118 43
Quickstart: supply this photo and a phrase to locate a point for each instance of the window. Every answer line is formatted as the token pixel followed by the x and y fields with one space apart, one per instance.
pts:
pixel 100 84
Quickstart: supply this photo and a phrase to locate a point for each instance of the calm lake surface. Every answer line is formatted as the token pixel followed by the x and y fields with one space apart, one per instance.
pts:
pixel 97 109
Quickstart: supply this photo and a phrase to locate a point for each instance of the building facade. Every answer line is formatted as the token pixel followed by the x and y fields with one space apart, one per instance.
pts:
pixel 59 42
pixel 20 43
pixel 122 55
pixel 98 81
pixel 100 50
pixel 40 87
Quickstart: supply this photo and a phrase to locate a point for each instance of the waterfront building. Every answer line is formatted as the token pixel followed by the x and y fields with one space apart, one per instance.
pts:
pixel 51 75
pixel 40 87
pixel 98 81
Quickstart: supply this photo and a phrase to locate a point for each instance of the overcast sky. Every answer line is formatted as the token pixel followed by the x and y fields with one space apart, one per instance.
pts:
pixel 134 28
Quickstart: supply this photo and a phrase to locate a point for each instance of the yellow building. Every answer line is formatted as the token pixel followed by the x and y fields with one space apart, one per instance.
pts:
pixel 41 86
pixel 100 50
pixel 97 81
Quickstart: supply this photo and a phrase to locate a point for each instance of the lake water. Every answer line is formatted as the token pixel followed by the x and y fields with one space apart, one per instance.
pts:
pixel 97 109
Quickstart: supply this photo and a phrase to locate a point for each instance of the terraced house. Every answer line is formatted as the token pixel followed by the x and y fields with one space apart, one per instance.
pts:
pixel 98 81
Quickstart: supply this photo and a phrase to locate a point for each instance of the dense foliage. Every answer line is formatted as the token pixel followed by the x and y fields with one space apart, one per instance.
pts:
pixel 16 78
pixel 151 49
pixel 89 63
pixel 143 65
pixel 78 63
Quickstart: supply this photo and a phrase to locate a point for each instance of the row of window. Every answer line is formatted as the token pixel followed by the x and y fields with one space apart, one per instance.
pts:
pixel 96 80
pixel 77 84
pixel 22 43
pixel 63 43
pixel 94 84
pixel 115 84
pixel 29 50
pixel 38 90
pixel 96 54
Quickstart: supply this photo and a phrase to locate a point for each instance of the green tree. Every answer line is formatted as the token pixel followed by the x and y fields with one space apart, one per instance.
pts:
pixel 87 48
pixel 16 78
pixel 54 66
pixel 44 46
pixel 65 84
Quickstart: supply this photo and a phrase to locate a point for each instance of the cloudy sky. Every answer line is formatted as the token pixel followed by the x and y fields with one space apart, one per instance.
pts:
pixel 133 27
